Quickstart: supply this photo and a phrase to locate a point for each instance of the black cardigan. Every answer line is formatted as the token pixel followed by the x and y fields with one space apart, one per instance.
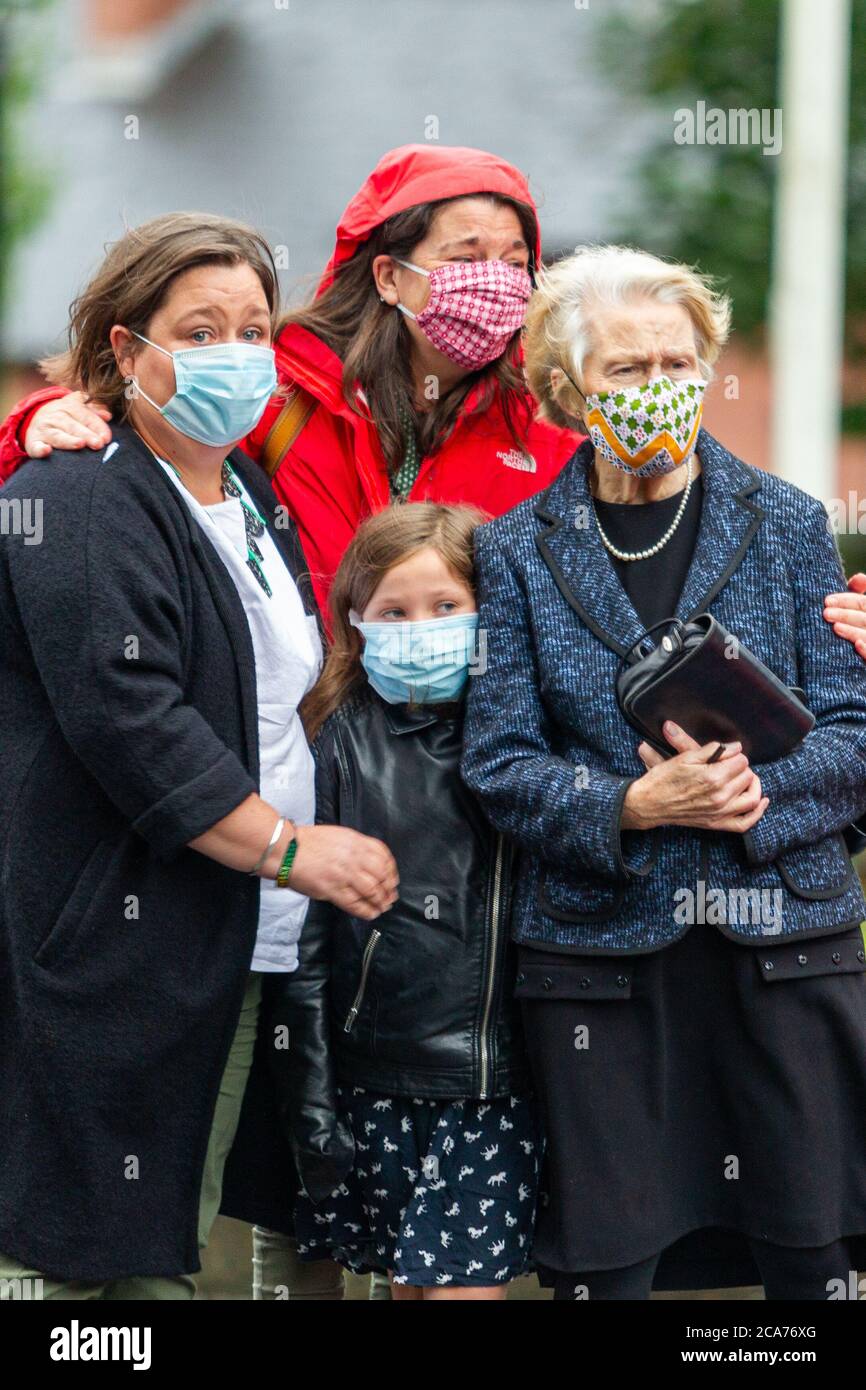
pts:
pixel 127 686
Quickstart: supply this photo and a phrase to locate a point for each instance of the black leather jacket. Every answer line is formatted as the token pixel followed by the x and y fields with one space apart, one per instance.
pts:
pixel 419 1001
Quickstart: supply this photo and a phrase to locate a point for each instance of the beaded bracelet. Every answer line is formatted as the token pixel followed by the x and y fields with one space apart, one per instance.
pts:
pixel 286 865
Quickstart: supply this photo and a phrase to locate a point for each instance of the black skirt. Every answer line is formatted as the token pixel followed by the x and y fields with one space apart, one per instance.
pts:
pixel 696 1096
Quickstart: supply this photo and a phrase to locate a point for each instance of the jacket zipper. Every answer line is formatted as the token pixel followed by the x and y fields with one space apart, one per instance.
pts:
pixel 365 969
pixel 491 972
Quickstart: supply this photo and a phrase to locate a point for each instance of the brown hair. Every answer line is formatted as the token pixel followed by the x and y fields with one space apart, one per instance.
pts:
pixel 381 542
pixel 372 340
pixel 131 285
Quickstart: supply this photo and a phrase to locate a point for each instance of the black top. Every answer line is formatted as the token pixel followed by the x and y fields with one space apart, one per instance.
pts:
pixel 654 585
pixel 114 1033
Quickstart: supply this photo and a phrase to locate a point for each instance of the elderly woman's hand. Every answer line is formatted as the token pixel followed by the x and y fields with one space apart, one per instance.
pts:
pixel 847 613
pixel 695 788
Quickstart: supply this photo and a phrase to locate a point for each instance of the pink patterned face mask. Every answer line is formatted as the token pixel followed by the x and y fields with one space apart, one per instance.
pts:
pixel 474 308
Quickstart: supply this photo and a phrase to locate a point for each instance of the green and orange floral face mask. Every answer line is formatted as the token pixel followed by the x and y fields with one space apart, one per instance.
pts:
pixel 647 430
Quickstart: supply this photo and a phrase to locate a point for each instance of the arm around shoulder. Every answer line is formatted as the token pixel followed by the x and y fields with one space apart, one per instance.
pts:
pixel 14 428
pixel 820 788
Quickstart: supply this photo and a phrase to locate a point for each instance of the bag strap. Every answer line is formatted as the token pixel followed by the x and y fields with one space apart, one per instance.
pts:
pixel 629 659
pixel 284 431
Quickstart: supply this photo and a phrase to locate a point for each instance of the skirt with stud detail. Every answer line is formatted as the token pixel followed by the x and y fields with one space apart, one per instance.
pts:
pixel 697 1095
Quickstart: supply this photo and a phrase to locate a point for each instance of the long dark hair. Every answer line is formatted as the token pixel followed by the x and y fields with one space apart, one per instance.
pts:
pixel 372 340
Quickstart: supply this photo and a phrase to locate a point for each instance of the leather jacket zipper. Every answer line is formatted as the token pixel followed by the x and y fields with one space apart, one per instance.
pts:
pixel 370 947
pixel 484 1045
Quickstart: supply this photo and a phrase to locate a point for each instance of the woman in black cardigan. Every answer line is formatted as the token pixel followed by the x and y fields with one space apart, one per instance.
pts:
pixel 133 839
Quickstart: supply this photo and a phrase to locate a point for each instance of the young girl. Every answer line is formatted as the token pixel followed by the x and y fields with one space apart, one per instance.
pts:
pixel 404 1080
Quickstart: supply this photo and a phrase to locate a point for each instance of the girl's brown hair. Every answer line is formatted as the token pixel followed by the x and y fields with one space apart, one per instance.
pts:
pixel 131 285
pixel 372 341
pixel 381 542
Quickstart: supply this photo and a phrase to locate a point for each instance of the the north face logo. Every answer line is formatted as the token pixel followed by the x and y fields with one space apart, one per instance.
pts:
pixel 514 458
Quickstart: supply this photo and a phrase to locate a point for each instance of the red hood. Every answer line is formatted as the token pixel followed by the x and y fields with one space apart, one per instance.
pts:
pixel 414 174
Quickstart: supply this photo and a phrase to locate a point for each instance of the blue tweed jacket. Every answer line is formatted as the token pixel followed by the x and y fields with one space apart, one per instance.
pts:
pixel 551 757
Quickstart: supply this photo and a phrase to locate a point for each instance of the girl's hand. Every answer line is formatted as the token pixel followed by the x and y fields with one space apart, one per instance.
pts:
pixel 354 872
pixel 847 613
pixel 695 788
pixel 67 423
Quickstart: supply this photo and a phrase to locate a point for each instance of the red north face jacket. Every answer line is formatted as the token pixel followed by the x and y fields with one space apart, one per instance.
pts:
pixel 335 474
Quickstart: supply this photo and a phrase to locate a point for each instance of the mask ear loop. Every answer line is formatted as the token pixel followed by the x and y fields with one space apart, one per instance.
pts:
pixel 577 389
pixel 419 270
pixel 150 344
pixel 135 381
pixel 573 382
pixel 410 265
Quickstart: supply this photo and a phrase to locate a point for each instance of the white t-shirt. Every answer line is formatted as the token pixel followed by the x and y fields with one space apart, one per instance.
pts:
pixel 288 656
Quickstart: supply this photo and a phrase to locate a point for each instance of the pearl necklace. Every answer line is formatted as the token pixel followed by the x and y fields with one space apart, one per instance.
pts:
pixel 659 545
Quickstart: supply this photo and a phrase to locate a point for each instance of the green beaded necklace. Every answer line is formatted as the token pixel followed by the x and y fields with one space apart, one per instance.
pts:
pixel 403 478
pixel 254 524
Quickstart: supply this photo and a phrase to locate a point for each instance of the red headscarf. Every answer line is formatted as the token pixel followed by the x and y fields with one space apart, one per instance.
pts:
pixel 414 174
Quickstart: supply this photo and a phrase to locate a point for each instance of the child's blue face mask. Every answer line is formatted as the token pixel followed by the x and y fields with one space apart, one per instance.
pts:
pixel 220 390
pixel 419 663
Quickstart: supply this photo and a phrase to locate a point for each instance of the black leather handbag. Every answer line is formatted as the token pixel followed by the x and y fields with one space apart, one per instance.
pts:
pixel 700 676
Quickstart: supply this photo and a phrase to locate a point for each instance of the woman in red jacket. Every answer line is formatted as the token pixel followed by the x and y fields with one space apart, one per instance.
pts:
pixel 375 408
pixel 403 382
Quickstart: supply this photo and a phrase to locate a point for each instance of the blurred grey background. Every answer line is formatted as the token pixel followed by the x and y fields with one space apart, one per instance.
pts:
pixel 114 111
pixel 275 110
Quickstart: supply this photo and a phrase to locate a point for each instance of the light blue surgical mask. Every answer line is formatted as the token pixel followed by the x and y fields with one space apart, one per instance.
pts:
pixel 419 663
pixel 220 390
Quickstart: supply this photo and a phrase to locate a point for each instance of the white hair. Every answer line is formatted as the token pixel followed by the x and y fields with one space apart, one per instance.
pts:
pixel 560 320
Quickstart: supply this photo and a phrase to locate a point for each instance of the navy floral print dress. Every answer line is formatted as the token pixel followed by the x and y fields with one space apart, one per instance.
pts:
pixel 442 1192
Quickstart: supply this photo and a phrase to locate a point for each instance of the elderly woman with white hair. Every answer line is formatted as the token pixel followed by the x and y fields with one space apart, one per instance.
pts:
pixel 701 1068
